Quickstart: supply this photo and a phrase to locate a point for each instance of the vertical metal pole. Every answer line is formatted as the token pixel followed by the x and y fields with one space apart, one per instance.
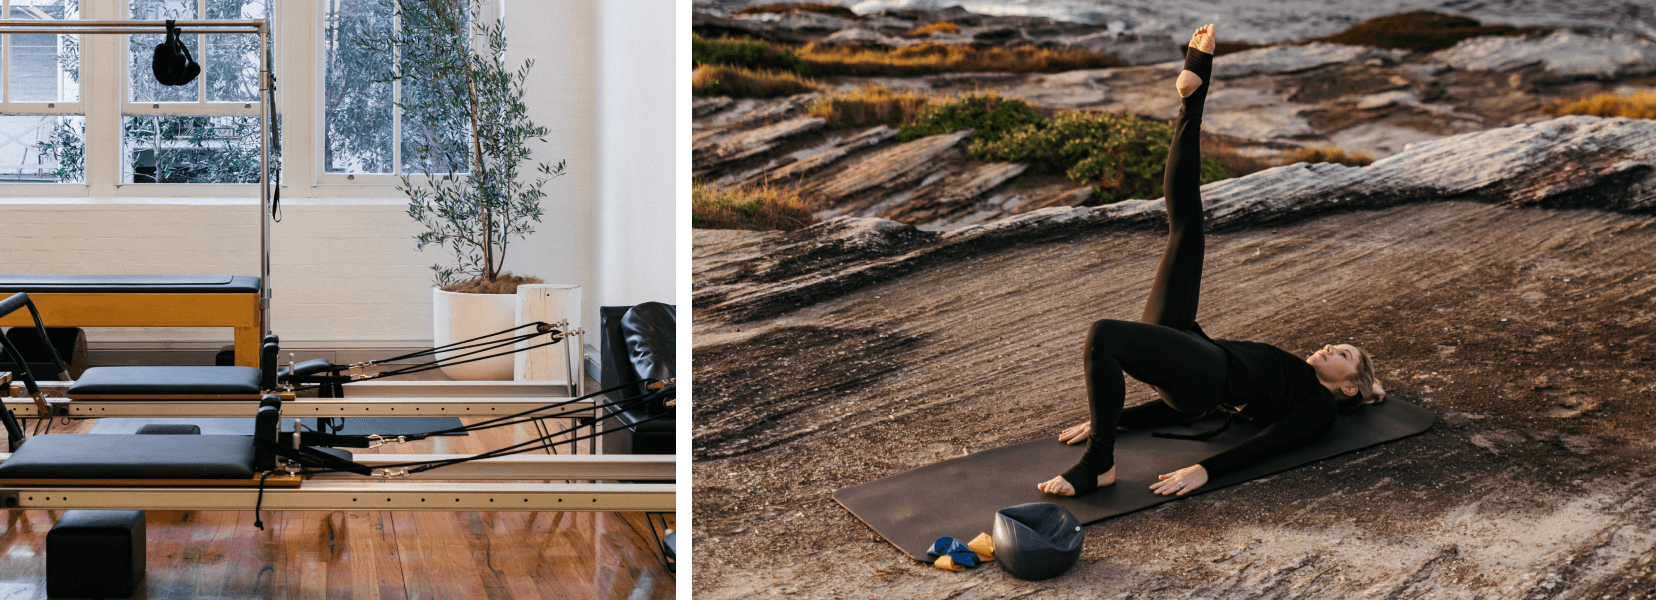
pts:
pixel 268 103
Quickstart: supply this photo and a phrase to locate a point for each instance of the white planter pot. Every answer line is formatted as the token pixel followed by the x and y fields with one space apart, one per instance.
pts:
pixel 457 317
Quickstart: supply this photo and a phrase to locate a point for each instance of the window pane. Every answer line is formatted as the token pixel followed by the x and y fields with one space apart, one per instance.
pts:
pixel 435 126
pixel 358 109
pixel 231 67
pixel 178 149
pixel 42 149
pixel 45 67
pixel 142 51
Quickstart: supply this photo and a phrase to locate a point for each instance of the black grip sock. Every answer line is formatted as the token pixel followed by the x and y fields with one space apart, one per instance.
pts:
pixel 1200 63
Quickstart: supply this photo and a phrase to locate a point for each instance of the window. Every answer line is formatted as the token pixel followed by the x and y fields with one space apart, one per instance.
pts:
pixel 218 141
pixel 366 131
pixel 41 131
pixel 116 131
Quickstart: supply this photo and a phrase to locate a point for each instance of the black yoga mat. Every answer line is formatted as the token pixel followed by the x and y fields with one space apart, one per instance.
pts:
pixel 959 497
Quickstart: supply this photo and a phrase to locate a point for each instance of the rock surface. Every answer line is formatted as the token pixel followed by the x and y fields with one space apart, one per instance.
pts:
pixel 1501 279
pixel 1564 54
pixel 1568 162
pixel 1265 103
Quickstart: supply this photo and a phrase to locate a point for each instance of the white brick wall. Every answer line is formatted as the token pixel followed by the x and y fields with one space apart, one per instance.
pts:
pixel 343 271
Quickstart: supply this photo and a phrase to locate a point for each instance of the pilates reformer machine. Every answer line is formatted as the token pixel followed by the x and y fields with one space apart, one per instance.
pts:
pixel 239 302
pixel 301 470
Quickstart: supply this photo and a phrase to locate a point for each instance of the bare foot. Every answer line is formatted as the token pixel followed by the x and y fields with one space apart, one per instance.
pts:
pixel 1205 41
pixel 1058 486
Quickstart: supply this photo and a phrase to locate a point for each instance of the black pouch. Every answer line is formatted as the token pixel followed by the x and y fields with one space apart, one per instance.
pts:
pixel 172 63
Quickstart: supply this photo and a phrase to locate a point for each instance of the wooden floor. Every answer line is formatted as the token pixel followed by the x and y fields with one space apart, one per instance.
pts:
pixel 390 554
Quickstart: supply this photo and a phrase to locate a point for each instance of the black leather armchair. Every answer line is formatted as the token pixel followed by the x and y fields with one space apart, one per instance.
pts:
pixel 638 342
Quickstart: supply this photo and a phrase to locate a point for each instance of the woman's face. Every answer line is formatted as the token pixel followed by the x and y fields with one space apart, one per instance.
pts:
pixel 1335 364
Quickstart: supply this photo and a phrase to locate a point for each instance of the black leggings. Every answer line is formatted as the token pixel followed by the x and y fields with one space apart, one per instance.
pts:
pixel 1162 349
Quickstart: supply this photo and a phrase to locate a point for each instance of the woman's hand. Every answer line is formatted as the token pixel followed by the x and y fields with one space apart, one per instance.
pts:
pixel 1076 434
pixel 1180 482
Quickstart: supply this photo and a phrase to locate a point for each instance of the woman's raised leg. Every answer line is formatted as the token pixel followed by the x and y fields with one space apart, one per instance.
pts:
pixel 1178 286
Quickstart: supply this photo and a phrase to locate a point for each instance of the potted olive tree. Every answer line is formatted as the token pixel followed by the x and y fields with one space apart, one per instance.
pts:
pixel 470 137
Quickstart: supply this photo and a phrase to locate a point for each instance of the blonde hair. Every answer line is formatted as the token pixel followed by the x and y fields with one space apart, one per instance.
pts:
pixel 1369 390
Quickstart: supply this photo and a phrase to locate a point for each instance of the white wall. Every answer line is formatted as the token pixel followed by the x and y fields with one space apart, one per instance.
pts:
pixel 634 215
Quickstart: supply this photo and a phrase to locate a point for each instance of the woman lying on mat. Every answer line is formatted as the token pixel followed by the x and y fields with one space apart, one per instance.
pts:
pixel 1293 398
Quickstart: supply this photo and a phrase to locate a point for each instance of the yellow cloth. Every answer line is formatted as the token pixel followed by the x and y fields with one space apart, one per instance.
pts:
pixel 984 546
pixel 947 564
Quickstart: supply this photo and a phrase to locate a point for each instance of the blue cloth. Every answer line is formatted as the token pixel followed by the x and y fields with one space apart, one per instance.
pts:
pixel 956 550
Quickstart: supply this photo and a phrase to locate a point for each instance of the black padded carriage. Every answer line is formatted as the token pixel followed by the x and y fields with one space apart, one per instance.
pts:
pixel 159 382
pixel 131 456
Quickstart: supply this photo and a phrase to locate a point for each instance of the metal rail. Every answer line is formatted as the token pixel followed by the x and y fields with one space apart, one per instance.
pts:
pixel 585 467
pixel 25 408
pixel 368 495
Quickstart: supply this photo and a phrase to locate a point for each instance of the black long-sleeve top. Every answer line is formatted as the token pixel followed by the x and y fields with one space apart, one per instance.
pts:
pixel 1273 388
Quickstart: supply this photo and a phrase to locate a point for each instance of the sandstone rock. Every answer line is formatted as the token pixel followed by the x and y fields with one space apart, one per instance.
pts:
pixel 1293 59
pixel 1568 162
pixel 1254 114
pixel 712 154
pixel 701 107
pixel 863 38
pixel 808 165
pixel 751 112
pixel 1564 53
pixel 955 195
pixel 1131 48
pixel 867 178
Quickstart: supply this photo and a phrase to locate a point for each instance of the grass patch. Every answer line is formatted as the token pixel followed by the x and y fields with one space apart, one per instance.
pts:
pixel 764 208
pixel 873 105
pixel 827 9
pixel 1641 105
pixel 747 53
pixel 990 114
pixel 1330 154
pixel 931 58
pixel 931 28
pixel 1235 163
pixel 743 83
pixel 1420 31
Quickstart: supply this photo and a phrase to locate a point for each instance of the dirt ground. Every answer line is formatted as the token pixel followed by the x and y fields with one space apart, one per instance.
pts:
pixel 1528 331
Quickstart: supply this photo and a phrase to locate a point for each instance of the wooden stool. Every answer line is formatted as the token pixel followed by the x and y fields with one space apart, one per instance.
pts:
pixel 95 554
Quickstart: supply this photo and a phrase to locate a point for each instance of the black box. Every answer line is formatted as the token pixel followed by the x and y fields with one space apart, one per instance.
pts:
pixel 95 554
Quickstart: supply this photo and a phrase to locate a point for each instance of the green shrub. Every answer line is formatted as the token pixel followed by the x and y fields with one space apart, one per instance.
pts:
pixel 989 114
pixel 1122 156
pixel 746 53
